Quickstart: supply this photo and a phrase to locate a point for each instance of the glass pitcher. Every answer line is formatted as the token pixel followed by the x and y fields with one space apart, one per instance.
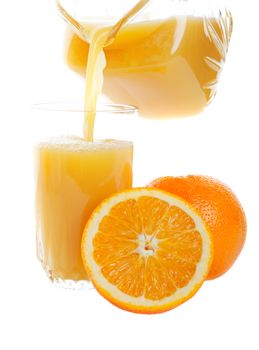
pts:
pixel 167 61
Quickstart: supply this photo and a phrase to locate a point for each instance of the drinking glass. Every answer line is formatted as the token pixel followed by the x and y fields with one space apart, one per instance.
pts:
pixel 72 177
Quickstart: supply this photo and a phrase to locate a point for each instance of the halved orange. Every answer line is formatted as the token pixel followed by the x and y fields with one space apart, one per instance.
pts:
pixel 146 251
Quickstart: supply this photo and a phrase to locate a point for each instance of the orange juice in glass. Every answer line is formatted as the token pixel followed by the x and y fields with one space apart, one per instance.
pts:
pixel 72 177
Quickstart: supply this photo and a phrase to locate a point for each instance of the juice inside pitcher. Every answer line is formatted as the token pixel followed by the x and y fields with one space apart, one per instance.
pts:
pixel 166 67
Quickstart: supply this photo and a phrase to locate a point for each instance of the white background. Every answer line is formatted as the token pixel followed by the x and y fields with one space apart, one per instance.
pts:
pixel 222 142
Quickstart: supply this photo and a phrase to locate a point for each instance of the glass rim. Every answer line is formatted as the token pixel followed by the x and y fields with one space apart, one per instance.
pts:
pixel 76 107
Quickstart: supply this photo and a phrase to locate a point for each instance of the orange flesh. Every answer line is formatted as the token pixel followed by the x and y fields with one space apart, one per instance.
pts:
pixel 147 248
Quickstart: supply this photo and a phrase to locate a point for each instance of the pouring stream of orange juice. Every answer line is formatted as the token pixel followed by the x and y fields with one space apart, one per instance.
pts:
pixel 99 37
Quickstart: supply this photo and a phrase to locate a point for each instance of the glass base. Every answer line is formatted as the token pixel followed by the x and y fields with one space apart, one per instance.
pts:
pixel 70 284
pixel 66 283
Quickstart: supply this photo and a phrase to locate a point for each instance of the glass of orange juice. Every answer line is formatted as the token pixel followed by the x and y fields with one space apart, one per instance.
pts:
pixel 72 177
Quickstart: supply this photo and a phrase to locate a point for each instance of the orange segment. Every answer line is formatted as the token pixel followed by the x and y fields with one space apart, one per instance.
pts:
pixel 146 250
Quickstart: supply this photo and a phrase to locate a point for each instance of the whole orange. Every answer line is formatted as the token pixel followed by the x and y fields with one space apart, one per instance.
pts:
pixel 220 208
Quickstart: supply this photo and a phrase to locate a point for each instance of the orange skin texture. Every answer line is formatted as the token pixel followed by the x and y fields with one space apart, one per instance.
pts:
pixel 220 209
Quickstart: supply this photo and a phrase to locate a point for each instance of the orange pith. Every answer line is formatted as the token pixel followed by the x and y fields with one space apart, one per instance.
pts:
pixel 146 249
